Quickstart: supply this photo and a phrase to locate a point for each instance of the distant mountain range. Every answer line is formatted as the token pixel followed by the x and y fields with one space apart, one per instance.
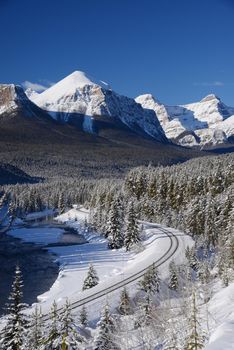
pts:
pixel 80 127
pixel 94 108
pixel 206 123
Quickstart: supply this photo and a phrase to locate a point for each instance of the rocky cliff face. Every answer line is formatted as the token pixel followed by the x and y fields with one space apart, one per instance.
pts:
pixel 205 123
pixel 13 100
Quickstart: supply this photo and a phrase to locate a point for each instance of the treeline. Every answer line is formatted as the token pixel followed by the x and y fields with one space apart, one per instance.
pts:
pixel 196 196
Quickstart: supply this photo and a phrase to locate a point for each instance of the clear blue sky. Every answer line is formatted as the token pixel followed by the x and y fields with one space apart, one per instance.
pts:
pixel 178 50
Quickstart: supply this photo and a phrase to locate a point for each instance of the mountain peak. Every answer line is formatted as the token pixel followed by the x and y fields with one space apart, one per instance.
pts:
pixel 67 87
pixel 147 98
pixel 78 78
pixel 10 94
pixel 210 98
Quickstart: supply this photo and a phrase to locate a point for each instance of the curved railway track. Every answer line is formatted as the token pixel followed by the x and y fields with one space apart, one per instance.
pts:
pixel 174 243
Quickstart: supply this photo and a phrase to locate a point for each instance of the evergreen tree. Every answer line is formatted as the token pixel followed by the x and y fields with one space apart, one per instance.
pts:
pixel 150 282
pixel 194 340
pixel 105 337
pixel 35 332
pixel 83 317
pixel 125 305
pixel 204 272
pixel 173 278
pixel 132 229
pixel 52 340
pixel 15 329
pixel 225 277
pixel 69 337
pixel 144 318
pixel 192 258
pixel 61 203
pixel 92 278
pixel 113 228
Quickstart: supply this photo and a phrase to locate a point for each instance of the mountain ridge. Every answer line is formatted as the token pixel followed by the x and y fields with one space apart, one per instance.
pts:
pixel 206 123
pixel 87 101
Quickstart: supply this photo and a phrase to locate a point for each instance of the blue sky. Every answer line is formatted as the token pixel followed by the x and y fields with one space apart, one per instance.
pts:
pixel 178 50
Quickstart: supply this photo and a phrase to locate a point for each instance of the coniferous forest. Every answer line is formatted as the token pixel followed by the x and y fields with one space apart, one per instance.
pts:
pixel 195 197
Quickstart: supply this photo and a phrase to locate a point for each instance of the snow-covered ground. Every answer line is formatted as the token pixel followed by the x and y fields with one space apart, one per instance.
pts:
pixel 112 266
pixel 221 307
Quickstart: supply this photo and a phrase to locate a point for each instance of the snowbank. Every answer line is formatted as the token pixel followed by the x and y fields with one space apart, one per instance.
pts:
pixel 221 307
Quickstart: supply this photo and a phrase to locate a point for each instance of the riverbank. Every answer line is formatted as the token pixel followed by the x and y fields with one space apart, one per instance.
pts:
pixel 30 244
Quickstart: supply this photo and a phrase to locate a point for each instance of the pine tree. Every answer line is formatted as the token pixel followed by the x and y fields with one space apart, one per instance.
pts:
pixel 204 272
pixel 61 204
pixel 51 342
pixel 15 330
pixel 35 333
pixel 132 229
pixel 69 337
pixel 173 281
pixel 83 317
pixel 150 282
pixel 113 228
pixel 195 340
pixel 144 318
pixel 125 305
pixel 105 337
pixel 92 278
pixel 225 277
pixel 192 258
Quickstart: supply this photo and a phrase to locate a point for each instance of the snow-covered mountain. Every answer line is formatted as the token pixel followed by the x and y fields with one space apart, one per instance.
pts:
pixel 79 100
pixel 13 101
pixel 31 94
pixel 205 123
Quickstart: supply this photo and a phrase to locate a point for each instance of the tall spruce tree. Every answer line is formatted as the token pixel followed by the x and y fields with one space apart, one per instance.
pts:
pixel 83 318
pixel 69 338
pixel 52 340
pixel 105 337
pixel 15 330
pixel 145 316
pixel 173 278
pixel 35 331
pixel 132 229
pixel 92 278
pixel 195 340
pixel 113 227
pixel 124 305
pixel 150 282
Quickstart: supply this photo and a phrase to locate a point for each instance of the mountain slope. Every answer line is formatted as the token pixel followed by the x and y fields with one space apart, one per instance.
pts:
pixel 9 174
pixel 79 101
pixel 205 123
pixel 41 146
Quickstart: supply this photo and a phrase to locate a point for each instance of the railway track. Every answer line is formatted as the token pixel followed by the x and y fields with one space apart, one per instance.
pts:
pixel 174 243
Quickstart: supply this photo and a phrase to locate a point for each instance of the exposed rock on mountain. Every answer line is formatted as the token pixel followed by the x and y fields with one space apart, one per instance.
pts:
pixel 78 100
pixel 206 123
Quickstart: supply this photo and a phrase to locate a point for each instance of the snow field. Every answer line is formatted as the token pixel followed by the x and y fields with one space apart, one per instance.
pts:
pixel 112 266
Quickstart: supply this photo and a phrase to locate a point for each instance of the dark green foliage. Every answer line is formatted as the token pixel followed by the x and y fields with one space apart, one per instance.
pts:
pixel 125 305
pixel 15 330
pixel 83 318
pixel 132 233
pixel 173 278
pixel 92 278
pixel 150 282
pixel 106 329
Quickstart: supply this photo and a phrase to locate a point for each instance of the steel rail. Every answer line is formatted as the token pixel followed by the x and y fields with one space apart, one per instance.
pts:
pixel 171 251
